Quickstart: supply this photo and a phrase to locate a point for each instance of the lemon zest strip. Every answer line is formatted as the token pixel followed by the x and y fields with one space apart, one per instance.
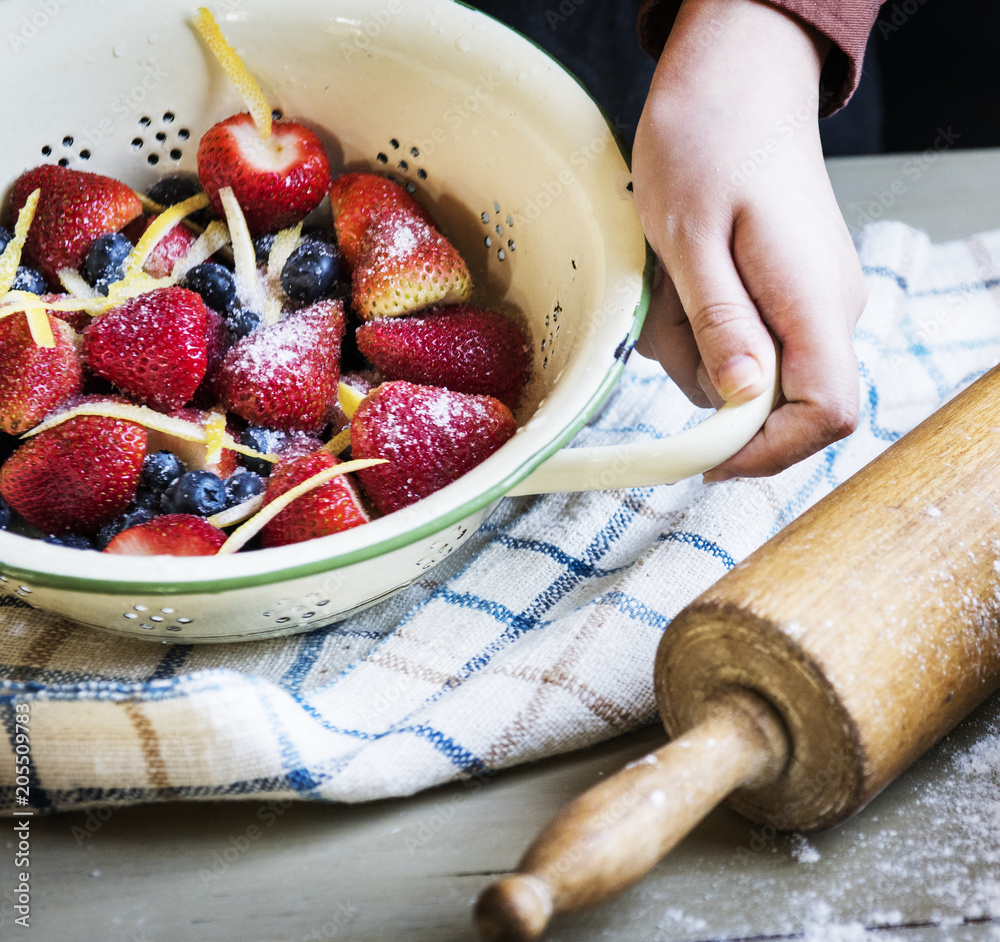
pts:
pixel 158 228
pixel 234 67
pixel 215 437
pixel 244 533
pixel 348 398
pixel 237 513
pixel 11 256
pixel 339 441
pixel 148 418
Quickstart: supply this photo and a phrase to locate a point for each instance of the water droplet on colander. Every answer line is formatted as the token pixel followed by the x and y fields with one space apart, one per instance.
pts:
pixel 462 44
pixel 118 50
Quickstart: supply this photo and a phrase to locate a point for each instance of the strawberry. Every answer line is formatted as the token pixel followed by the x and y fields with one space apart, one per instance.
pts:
pixel 217 344
pixel 356 197
pixel 169 535
pixel 277 182
pixel 404 265
pixel 35 380
pixel 76 319
pixel 285 375
pixel 327 509
pixel 168 251
pixel 430 436
pixel 152 347
pixel 464 348
pixel 75 208
pixel 77 476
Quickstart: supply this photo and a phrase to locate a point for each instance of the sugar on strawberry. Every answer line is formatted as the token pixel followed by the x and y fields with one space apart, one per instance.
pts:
pixel 277 181
pixel 404 265
pixel 75 208
pixel 468 349
pixel 76 476
pixel 285 375
pixel 356 198
pixel 154 347
pixel 430 437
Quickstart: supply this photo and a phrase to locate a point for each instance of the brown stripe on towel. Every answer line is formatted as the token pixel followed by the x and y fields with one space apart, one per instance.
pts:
pixel 149 742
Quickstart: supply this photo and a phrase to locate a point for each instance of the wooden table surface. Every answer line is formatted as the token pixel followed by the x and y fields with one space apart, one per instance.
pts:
pixel 917 864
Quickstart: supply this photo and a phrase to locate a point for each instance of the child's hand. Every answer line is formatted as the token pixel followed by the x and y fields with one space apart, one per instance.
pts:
pixel 735 200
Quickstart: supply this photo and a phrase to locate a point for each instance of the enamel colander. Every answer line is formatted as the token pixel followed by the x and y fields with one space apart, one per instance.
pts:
pixel 518 166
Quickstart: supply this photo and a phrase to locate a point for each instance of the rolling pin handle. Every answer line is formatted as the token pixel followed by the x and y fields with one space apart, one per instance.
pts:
pixel 609 837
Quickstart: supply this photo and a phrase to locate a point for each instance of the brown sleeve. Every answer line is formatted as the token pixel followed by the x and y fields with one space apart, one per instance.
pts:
pixel 846 23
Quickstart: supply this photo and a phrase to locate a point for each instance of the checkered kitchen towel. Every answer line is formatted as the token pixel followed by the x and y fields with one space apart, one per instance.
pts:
pixel 538 638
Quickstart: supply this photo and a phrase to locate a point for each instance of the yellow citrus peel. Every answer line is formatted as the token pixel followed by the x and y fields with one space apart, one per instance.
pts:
pixel 339 441
pixel 158 228
pixel 237 514
pixel 348 398
pixel 243 534
pixel 215 236
pixel 75 284
pixel 233 66
pixel 215 437
pixel 284 244
pixel 248 287
pixel 11 256
pixel 148 418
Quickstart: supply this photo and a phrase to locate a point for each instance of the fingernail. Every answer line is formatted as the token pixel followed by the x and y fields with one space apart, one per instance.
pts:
pixel 737 374
pixel 716 476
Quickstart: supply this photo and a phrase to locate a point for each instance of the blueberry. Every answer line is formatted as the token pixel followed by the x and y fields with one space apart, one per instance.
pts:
pixel 242 322
pixel 318 234
pixel 195 492
pixel 5 237
pixel 242 486
pixel 131 518
pixel 146 498
pixel 161 469
pixel 5 514
pixel 27 279
pixel 310 272
pixel 72 540
pixel 105 258
pixel 262 247
pixel 264 440
pixel 171 190
pixel 215 284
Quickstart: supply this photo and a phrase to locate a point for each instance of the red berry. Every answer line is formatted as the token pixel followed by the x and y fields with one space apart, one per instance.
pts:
pixel 327 509
pixel 77 476
pixel 356 197
pixel 464 348
pixel 277 182
pixel 285 375
pixel 169 535
pixel 35 380
pixel 153 347
pixel 75 208
pixel 430 437
pixel 404 265
pixel 171 248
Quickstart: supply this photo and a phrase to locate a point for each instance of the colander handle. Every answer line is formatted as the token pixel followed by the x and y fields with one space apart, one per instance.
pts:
pixel 664 461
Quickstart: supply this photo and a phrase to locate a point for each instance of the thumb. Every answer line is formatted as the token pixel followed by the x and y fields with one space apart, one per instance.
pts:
pixel 735 346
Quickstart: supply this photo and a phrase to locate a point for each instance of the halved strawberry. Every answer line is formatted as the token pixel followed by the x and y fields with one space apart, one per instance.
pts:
pixel 327 509
pixel 430 437
pixel 285 375
pixel 168 251
pixel 77 476
pixel 153 347
pixel 74 209
pixel 405 265
pixel 33 379
pixel 467 349
pixel 277 181
pixel 356 197
pixel 169 535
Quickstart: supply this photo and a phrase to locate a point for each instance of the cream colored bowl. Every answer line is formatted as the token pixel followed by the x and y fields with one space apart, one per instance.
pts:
pixel 518 166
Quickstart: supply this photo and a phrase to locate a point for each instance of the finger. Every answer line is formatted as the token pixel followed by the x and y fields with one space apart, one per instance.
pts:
pixel 666 336
pixel 731 338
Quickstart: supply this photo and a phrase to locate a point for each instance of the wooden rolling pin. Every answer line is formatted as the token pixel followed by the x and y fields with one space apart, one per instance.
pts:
pixel 808 677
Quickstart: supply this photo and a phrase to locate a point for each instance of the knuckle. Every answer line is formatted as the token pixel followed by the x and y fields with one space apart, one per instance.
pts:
pixel 838 419
pixel 717 317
